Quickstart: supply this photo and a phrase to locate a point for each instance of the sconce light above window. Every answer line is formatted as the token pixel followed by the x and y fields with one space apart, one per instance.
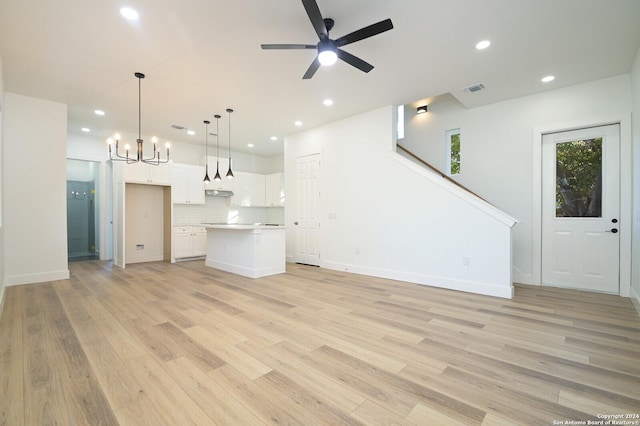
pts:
pixel 421 109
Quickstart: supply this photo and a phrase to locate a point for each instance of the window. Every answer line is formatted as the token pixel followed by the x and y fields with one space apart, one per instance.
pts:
pixel 579 178
pixel 400 123
pixel 453 151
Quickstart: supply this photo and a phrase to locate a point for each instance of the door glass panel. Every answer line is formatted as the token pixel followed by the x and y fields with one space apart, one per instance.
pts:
pixel 579 178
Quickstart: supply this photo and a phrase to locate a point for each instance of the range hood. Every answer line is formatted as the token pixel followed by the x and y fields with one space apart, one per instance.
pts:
pixel 218 193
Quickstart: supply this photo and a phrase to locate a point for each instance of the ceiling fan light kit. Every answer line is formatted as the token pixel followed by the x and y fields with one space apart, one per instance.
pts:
pixel 328 49
pixel 327 53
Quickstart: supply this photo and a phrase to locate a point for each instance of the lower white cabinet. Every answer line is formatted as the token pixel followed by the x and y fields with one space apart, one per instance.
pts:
pixel 189 241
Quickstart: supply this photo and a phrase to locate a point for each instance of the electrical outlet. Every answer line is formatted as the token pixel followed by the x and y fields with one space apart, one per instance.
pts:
pixel 466 261
pixel 139 246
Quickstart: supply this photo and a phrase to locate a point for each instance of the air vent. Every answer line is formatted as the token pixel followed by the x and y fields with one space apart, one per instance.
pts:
pixel 175 126
pixel 474 88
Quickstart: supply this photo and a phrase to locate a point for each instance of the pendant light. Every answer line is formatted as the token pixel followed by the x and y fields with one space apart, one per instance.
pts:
pixel 217 176
pixel 206 152
pixel 229 173
pixel 139 158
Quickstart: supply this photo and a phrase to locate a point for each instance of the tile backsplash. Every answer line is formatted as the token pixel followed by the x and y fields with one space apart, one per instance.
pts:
pixel 217 209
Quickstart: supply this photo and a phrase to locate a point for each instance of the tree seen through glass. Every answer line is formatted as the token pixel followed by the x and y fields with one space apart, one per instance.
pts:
pixel 455 154
pixel 579 178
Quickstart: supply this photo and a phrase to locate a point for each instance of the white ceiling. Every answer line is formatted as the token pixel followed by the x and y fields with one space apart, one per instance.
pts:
pixel 203 56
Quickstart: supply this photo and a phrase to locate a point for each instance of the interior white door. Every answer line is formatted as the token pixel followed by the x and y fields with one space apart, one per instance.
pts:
pixel 307 225
pixel 580 209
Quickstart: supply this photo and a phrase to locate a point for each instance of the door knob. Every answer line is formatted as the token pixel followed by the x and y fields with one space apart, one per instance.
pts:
pixel 613 230
pixel 614 220
pixel 295 223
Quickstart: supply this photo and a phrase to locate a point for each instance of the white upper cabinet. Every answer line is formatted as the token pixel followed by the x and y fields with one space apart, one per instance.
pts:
pixel 248 189
pixel 148 173
pixel 274 189
pixel 188 185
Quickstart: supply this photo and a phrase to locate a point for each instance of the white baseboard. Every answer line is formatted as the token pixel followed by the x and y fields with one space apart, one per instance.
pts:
pixel 635 299
pixel 245 270
pixel 522 278
pixel 487 289
pixel 37 278
pixel 1 300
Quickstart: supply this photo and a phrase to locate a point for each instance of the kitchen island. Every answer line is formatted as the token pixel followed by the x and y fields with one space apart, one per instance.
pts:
pixel 251 250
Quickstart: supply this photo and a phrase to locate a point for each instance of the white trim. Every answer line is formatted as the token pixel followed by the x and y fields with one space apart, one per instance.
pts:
pixel 38 278
pixel 484 288
pixel 625 191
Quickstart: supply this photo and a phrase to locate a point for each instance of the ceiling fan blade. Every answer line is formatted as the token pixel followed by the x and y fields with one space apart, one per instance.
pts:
pixel 371 30
pixel 354 61
pixel 313 11
pixel 312 69
pixel 288 46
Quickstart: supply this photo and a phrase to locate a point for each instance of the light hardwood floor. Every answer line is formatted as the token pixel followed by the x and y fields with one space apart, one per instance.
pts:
pixel 179 344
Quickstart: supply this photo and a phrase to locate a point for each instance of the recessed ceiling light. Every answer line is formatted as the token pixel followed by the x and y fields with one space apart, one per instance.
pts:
pixel 191 132
pixel 250 145
pixel 548 78
pixel 274 138
pixel 129 14
pixel 481 45
pixel 98 112
pixel 298 123
pixel 86 129
pixel 328 102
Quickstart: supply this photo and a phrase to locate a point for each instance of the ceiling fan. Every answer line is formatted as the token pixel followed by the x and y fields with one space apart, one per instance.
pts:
pixel 329 50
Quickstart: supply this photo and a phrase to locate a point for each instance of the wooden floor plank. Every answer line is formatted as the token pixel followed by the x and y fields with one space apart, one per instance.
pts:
pixel 166 396
pixel 290 361
pixel 217 403
pixel 159 343
pixel 11 359
pixel 60 385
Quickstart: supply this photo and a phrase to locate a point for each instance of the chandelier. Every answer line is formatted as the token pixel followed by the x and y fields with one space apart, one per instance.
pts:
pixel 139 157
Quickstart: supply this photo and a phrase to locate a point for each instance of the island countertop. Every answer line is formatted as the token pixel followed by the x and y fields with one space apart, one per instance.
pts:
pixel 242 225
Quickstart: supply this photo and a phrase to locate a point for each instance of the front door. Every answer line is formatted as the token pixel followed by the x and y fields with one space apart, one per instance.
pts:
pixel 580 209
pixel 307 225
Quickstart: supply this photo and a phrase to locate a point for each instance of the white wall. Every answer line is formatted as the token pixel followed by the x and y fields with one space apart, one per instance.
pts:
pixel 2 256
pixel 635 250
pixel 34 192
pixel 181 152
pixel 86 147
pixel 384 216
pixel 498 147
pixel 144 219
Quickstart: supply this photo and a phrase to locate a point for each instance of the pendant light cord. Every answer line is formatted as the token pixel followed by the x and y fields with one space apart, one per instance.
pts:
pixel 139 107
pixel 229 173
